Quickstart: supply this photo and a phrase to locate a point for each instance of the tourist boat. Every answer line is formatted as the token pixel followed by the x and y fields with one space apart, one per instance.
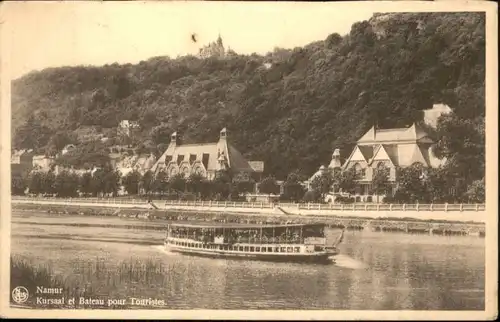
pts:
pixel 283 242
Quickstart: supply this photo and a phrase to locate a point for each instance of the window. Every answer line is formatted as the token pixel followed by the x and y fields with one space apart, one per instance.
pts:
pixel 360 171
pixel 283 250
pixel 204 159
pixel 257 249
pixel 241 248
pixel 246 248
pixel 270 249
pixel 289 249
pixel 296 250
pixel 252 249
pixel 277 249
pixel 192 158
pixel 180 158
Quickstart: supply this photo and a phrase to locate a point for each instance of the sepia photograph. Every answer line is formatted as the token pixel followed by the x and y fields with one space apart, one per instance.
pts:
pixel 249 160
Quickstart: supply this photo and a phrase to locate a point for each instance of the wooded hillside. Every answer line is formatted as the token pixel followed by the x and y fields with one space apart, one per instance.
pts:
pixel 291 115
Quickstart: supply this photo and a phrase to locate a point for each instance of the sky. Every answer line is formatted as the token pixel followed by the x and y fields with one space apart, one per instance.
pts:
pixel 52 34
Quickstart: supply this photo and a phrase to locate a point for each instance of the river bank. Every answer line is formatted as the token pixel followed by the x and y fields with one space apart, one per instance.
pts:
pixel 406 225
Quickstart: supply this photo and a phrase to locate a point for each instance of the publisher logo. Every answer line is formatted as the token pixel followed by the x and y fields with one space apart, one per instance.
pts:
pixel 20 294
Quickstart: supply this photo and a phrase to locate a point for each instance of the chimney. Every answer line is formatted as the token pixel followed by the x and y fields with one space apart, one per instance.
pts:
pixel 175 139
pixel 223 134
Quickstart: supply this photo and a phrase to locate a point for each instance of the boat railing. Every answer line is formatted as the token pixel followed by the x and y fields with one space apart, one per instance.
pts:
pixel 242 240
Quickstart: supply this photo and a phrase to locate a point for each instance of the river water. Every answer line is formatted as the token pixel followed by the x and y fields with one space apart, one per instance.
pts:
pixel 375 271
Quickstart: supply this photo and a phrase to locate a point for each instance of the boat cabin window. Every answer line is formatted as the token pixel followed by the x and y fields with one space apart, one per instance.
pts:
pixel 314 231
pixel 276 249
pixel 283 250
pixel 270 249
pixel 246 248
pixel 289 249
pixel 240 248
pixel 264 249
pixel 296 250
pixel 252 249
pixel 257 249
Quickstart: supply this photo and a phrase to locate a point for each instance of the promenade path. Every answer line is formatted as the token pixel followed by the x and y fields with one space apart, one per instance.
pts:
pixel 455 212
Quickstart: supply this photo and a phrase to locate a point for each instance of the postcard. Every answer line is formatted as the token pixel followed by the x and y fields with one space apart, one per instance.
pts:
pixel 249 160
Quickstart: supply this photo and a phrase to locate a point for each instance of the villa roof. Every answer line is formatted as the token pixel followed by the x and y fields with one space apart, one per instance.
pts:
pixel 413 133
pixel 206 153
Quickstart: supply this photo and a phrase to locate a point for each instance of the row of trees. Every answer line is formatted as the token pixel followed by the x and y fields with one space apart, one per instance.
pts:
pixel 412 185
pixel 66 184
pixel 108 181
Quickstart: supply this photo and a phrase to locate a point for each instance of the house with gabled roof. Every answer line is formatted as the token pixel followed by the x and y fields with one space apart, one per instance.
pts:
pixel 391 148
pixel 205 159
pixel 21 161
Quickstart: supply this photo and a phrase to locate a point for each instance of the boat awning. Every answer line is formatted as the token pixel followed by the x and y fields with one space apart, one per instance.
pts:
pixel 242 226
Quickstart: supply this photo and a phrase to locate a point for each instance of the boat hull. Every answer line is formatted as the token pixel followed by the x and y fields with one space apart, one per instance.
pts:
pixel 320 257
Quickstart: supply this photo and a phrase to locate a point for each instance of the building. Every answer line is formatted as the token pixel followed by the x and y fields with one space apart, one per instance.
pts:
pixel 432 115
pixel 335 165
pixel 391 148
pixel 21 162
pixel 68 148
pixel 206 159
pixel 42 163
pixel 128 163
pixel 127 128
pixel 213 49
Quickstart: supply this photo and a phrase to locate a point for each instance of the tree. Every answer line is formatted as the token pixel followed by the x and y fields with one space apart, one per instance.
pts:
pixel 131 182
pixel 346 180
pixel 147 182
pixel 161 134
pixel 269 185
pixel 322 184
pixel 48 182
pixel 86 185
pixel 195 183
pixel 411 187
pixel 35 184
pixel 160 183
pixel 312 196
pixel 476 192
pixel 98 182
pixel 57 142
pixel 66 184
pixel 380 181
pixel 438 184
pixel 222 184
pixel 177 183
pixel 462 142
pixel 293 188
pixel 111 181
pixel 18 184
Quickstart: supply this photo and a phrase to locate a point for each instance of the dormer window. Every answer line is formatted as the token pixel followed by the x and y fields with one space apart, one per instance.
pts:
pixel 192 158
